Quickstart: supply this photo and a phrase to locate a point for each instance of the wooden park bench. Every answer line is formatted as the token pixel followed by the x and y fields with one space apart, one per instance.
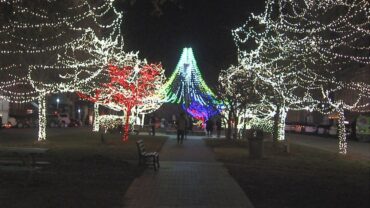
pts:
pixel 22 160
pixel 147 158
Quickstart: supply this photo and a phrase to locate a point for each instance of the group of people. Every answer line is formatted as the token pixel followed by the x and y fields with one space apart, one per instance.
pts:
pixel 211 124
pixel 183 124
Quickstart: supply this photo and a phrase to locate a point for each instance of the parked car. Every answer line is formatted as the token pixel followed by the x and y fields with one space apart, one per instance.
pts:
pixel 310 129
pixel 299 128
pixel 362 130
pixel 52 120
pixel 11 123
pixel 295 127
pixel 323 129
pixel 7 125
pixel 24 122
pixel 333 131
pixel 74 123
pixel 64 119
pixel 290 126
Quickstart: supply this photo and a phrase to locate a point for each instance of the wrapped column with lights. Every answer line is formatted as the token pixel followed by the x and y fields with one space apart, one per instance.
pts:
pixel 96 117
pixel 42 117
pixel 342 132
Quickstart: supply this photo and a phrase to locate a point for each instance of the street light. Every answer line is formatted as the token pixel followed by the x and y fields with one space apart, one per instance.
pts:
pixel 58 103
pixel 79 114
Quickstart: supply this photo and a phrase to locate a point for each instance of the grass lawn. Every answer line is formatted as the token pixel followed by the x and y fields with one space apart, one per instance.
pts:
pixel 306 177
pixel 84 172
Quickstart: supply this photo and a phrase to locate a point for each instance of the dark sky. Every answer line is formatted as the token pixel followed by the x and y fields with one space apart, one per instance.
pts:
pixel 204 25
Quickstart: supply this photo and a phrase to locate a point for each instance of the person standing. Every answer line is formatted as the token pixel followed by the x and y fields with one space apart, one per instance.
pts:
pixel 181 125
pixel 152 123
pixel 218 127
pixel 209 127
pixel 173 120
pixel 189 127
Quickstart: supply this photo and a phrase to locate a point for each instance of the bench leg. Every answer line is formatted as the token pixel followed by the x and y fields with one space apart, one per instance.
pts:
pixel 158 161
pixel 150 160
pixel 29 178
pixel 142 160
pixel 154 163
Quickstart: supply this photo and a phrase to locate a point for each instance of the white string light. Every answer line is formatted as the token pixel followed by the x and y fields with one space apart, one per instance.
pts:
pixel 37 43
pixel 302 47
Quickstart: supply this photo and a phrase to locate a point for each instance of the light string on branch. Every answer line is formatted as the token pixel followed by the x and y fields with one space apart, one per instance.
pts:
pixel 129 86
pixel 298 48
pixel 37 40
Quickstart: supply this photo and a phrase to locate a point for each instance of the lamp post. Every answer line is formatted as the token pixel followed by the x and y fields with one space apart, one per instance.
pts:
pixel 58 104
pixel 79 114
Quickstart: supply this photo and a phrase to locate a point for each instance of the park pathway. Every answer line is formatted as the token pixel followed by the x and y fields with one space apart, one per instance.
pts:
pixel 189 176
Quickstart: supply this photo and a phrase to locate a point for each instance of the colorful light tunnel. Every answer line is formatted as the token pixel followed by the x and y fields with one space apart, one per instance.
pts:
pixel 187 88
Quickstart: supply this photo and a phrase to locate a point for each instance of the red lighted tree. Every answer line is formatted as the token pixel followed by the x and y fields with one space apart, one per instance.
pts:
pixel 128 87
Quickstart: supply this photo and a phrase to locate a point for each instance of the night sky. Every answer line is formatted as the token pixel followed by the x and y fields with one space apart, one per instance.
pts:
pixel 204 25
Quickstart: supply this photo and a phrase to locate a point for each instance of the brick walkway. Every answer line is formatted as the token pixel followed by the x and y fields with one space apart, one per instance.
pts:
pixel 189 177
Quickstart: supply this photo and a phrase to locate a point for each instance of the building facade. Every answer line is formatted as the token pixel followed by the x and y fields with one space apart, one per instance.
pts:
pixel 4 111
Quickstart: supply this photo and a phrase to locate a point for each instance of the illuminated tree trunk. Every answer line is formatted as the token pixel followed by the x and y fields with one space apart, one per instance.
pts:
pixel 275 133
pixel 42 117
pixel 235 134
pixel 342 132
pixel 279 125
pixel 142 119
pixel 229 124
pixel 126 128
pixel 96 117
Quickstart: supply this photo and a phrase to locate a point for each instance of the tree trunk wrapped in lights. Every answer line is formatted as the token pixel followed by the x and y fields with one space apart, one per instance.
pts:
pixel 42 117
pixel 342 132
pixel 279 123
pixel 96 117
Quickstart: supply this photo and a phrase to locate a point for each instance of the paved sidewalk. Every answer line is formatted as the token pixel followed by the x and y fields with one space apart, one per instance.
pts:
pixel 189 176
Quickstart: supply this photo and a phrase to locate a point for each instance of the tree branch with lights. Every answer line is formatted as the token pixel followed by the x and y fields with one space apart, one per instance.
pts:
pixel 33 38
pixel 305 52
pixel 236 90
pixel 265 53
pixel 128 87
pixel 335 45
